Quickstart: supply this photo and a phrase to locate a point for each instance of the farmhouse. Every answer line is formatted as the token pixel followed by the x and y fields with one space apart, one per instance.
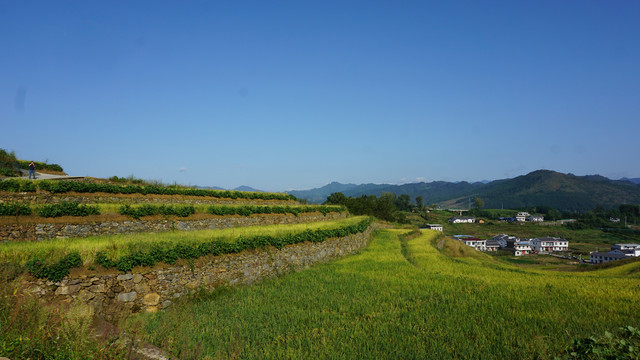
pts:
pixel 618 252
pixel 503 238
pixel 522 216
pixel 536 218
pixel 519 247
pixel 549 244
pixel 492 245
pixel 464 219
pixel 474 242
pixel 436 227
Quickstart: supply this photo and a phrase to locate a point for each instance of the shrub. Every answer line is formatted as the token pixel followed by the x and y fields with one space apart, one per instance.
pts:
pixel 147 210
pixel 68 208
pixel 11 209
pixel 250 209
pixel 54 272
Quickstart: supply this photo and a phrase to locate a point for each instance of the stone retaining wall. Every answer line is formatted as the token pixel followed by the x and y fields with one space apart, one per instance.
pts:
pixel 39 232
pixel 48 198
pixel 151 289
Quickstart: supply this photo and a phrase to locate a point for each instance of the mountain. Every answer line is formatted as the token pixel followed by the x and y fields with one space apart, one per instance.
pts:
pixel 634 180
pixel 542 187
pixel 561 191
pixel 432 192
pixel 246 188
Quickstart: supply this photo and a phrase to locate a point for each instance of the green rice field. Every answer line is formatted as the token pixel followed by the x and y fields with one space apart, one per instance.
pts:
pixel 418 298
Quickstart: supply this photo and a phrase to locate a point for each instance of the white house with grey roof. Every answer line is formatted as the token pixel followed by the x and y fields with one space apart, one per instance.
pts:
pixel 549 244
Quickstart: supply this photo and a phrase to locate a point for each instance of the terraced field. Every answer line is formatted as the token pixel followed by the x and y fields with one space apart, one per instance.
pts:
pixel 403 299
pixel 141 228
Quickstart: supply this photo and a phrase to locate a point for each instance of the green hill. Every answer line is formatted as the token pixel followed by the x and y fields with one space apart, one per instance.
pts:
pixel 541 187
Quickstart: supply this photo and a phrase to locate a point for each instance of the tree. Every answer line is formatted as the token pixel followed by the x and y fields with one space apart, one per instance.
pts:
pixel 403 202
pixel 336 198
pixel 479 203
pixel 419 204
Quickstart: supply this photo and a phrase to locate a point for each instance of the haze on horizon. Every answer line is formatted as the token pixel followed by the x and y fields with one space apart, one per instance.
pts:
pixel 290 95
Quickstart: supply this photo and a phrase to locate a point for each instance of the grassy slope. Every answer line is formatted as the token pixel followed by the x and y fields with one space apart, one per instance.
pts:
pixel 379 305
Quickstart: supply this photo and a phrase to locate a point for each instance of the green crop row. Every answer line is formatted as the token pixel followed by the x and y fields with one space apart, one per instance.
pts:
pixel 14 209
pixel 250 209
pixel 169 254
pixel 146 210
pixel 55 187
pixel 216 247
pixel 67 208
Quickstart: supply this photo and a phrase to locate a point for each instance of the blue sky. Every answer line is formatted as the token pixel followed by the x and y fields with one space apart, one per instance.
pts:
pixel 284 95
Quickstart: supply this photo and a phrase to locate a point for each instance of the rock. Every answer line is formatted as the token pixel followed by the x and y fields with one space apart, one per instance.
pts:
pixel 67 290
pixel 127 297
pixel 137 278
pixel 151 299
pixel 141 288
pixel 85 295
pixel 97 288
pixel 125 277
pixel 166 303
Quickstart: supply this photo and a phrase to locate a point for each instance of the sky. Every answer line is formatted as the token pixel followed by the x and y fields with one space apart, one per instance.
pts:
pixel 282 95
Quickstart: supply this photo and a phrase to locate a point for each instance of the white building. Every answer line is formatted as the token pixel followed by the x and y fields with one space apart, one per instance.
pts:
pixel 549 244
pixel 503 238
pixel 536 218
pixel 478 244
pixel 464 219
pixel 618 252
pixel 436 227
pixel 522 216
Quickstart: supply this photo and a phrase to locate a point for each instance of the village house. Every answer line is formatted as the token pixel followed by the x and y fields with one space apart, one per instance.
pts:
pixel 463 219
pixel 474 242
pixel 436 227
pixel 536 218
pixel 522 216
pixel 519 247
pixel 618 252
pixel 492 245
pixel 549 244
pixel 503 238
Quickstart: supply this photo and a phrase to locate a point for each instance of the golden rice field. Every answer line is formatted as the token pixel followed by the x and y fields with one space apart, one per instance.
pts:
pixel 377 304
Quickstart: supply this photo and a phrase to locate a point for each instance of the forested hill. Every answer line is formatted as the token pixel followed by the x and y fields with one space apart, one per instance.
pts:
pixel 433 192
pixel 542 187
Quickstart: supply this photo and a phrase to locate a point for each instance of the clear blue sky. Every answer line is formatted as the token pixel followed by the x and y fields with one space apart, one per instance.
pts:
pixel 295 94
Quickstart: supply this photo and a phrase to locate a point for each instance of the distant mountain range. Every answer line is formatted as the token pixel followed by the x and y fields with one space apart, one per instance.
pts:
pixel 541 187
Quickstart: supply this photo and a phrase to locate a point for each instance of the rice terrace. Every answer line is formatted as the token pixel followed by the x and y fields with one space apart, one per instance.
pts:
pixel 208 274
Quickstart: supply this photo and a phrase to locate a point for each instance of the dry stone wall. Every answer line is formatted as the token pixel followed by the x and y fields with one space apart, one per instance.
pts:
pixel 39 232
pixel 151 289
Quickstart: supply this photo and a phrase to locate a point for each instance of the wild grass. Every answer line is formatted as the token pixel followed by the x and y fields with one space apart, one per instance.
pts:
pixel 31 330
pixel 117 246
pixel 376 304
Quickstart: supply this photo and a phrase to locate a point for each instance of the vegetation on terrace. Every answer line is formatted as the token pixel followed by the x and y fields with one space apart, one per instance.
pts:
pixel 9 165
pixel 57 187
pixel 53 259
pixel 377 304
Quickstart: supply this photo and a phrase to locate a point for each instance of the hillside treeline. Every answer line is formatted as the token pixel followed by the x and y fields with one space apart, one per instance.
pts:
pixel 386 207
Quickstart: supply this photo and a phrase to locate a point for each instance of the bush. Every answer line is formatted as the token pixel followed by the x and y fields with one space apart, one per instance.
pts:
pixel 67 208
pixel 14 209
pixel 147 210
pixel 54 272
pixel 624 344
